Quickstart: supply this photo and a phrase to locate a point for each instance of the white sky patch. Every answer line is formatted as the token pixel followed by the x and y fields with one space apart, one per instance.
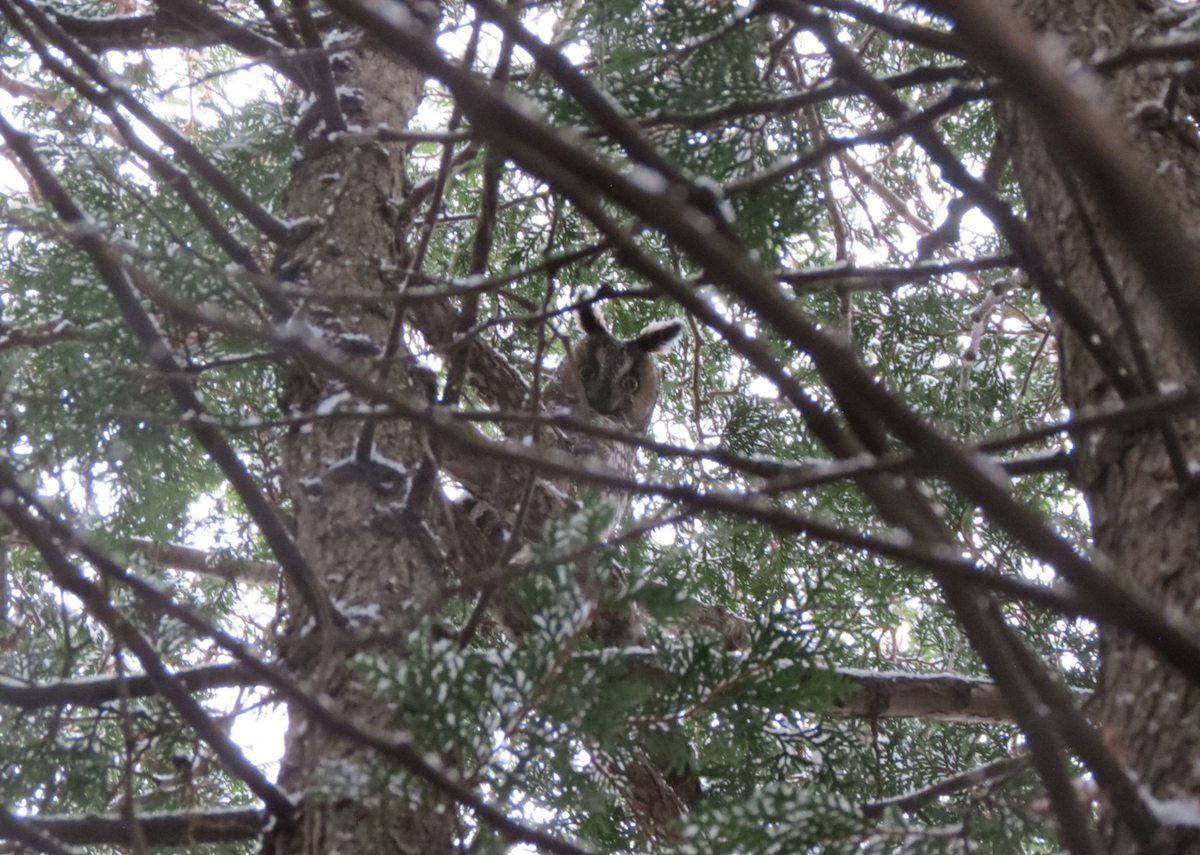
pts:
pixel 761 387
pixel 975 224
pixel 259 732
pixel 808 44
pixel 663 536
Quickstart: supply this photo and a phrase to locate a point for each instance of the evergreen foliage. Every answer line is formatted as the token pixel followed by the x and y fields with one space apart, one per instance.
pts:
pixel 537 722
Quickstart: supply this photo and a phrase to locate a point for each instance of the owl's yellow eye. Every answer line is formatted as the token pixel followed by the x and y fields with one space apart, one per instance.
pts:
pixel 588 372
pixel 629 383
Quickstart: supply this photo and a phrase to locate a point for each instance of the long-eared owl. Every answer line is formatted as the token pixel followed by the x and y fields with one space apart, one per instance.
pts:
pixel 613 383
pixel 604 380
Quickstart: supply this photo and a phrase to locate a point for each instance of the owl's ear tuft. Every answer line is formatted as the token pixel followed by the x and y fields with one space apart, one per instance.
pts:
pixel 591 320
pixel 659 336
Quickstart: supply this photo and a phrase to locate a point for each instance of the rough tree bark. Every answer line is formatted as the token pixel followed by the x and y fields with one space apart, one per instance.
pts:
pixel 1142 519
pixel 376 550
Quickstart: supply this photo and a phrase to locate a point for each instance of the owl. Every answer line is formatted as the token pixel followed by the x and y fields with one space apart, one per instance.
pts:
pixel 612 383
pixel 604 380
pixel 606 377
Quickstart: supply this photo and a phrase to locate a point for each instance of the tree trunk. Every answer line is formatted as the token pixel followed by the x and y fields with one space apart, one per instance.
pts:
pixel 1142 520
pixel 357 522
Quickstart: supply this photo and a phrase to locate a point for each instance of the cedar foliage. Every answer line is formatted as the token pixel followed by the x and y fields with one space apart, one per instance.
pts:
pixel 727 93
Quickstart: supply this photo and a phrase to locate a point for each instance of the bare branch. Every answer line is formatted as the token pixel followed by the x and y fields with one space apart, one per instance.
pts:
pixel 152 829
pixel 941 697
pixel 322 74
pixel 936 40
pixel 211 563
pixel 95 691
pixel 914 801
pixel 784 104
pixel 884 278
pixel 12 828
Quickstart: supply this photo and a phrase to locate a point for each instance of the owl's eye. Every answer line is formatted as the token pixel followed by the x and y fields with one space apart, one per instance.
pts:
pixel 588 372
pixel 629 383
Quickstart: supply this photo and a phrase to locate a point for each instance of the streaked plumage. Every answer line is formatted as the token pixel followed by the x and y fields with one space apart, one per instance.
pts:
pixel 612 383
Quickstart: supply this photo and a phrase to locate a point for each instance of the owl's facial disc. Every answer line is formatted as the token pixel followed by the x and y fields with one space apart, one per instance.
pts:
pixel 609 376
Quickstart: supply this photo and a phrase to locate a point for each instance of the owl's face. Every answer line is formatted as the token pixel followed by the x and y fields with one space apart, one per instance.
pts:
pixel 617 378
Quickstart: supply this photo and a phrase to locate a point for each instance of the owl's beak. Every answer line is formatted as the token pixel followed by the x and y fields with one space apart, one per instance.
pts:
pixel 602 403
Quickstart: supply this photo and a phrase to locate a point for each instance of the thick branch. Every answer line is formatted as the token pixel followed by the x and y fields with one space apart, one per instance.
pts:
pixel 874 694
pixel 940 697
pixel 152 829
pixel 179 557
pixel 94 691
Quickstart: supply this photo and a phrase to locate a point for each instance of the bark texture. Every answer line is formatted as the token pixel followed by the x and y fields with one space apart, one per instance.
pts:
pixel 1142 520
pixel 379 559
